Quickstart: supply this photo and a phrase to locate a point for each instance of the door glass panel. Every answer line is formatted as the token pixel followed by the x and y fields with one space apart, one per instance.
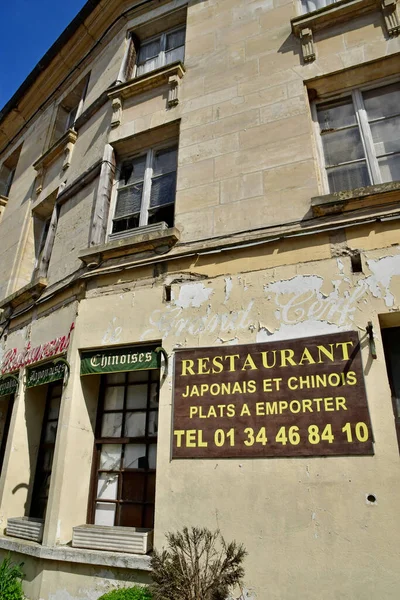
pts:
pixel 152 456
pixel 136 396
pixel 54 408
pixel 110 457
pixel 135 424
pixel 114 398
pixel 112 425
pixel 51 432
pixel 107 486
pixel 135 456
pixel 105 513
pixel 153 423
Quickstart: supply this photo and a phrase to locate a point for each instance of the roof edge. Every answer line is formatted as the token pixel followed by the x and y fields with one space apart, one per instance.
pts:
pixel 45 61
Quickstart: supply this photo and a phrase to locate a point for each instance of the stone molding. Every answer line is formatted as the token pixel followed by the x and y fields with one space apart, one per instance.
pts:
pixel 169 74
pixel 304 26
pixel 76 555
pixel 64 146
pixel 366 197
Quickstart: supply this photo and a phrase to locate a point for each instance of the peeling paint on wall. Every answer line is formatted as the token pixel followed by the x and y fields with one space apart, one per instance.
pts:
pixel 383 271
pixel 193 294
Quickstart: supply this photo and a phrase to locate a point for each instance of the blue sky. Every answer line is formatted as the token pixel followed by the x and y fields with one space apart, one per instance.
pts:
pixel 28 29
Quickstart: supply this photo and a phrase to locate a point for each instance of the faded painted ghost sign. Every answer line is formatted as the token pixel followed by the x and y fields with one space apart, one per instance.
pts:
pixel 303 397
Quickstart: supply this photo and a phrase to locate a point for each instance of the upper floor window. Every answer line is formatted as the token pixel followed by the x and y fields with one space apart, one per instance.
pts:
pixel 311 5
pixel 7 172
pixel 164 49
pixel 359 136
pixel 69 110
pixel 146 189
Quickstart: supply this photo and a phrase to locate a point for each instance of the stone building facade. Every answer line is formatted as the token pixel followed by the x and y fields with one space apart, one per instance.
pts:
pixel 188 186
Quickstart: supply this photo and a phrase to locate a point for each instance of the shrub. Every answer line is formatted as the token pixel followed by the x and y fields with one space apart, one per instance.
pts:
pixel 134 593
pixel 10 580
pixel 197 565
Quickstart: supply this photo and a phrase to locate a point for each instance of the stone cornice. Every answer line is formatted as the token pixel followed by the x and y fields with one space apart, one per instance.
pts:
pixel 56 150
pixel 147 81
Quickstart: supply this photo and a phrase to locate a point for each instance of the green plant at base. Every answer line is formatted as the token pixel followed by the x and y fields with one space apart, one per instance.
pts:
pixel 197 565
pixel 10 580
pixel 134 593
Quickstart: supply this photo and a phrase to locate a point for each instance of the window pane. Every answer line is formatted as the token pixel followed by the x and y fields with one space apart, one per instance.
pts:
pixel 133 486
pixel 153 423
pixel 150 65
pixel 154 396
pixel 135 456
pixel 163 213
pixel 115 378
pixel 114 398
pixel 152 456
pixel 54 408
pixel 342 146
pixel 311 5
pixel 390 168
pixel 165 161
pixel 175 39
pixel 132 171
pixel 348 177
pixel 175 55
pixel 105 514
pixel 163 190
pixel 149 50
pixel 136 396
pixel 383 101
pixel 131 515
pixel 386 135
pixel 334 115
pixel 51 432
pixel 135 424
pixel 112 425
pixel 129 200
pixel 48 459
pixel 107 486
pixel 134 376
pixel 110 457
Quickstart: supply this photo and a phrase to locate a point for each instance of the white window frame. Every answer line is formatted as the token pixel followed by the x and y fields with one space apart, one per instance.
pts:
pixel 364 129
pixel 163 42
pixel 148 175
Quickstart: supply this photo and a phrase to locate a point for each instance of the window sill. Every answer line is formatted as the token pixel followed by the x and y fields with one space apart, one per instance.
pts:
pixel 155 241
pixel 304 26
pixel 3 201
pixel 366 197
pixel 26 294
pixel 147 81
pixel 76 555
pixel 334 14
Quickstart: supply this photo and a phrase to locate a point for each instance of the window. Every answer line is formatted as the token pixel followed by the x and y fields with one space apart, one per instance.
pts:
pixel 45 218
pixel 44 463
pixel 311 5
pixel 125 450
pixel 146 190
pixel 360 137
pixel 165 49
pixel 69 110
pixel 7 172
pixel 391 344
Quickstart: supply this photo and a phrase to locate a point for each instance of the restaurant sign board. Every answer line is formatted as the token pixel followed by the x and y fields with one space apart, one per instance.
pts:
pixel 301 397
pixel 45 373
pixel 115 360
pixel 8 385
